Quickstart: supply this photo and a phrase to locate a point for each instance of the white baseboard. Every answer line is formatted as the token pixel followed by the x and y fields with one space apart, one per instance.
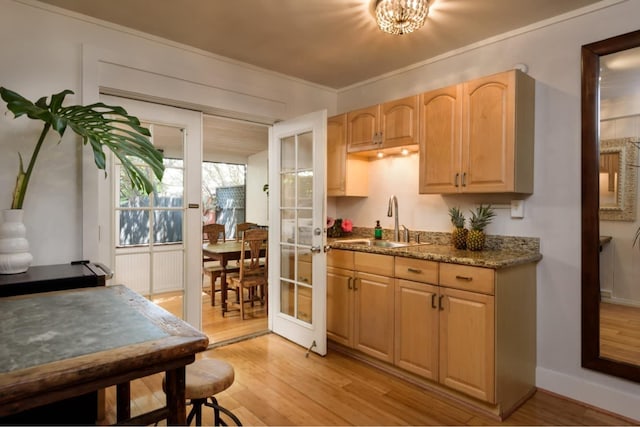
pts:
pixel 622 301
pixel 600 396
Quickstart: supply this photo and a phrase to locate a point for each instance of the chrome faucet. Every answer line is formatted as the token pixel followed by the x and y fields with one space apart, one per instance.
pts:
pixel 393 208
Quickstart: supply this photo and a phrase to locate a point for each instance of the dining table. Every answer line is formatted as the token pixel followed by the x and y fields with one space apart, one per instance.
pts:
pixel 230 250
pixel 60 345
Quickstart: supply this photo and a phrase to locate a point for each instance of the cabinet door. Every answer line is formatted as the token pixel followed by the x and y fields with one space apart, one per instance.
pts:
pixel 440 141
pixel 363 130
pixel 416 328
pixel 336 155
pixel 399 122
pixel 347 175
pixel 488 138
pixel 467 336
pixel 340 305
pixel 373 323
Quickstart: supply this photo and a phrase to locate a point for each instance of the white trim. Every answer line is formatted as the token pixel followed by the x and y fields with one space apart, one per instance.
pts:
pixel 591 393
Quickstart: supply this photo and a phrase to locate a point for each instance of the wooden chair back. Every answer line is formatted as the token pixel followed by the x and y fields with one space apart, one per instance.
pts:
pixel 213 231
pixel 253 239
pixel 242 227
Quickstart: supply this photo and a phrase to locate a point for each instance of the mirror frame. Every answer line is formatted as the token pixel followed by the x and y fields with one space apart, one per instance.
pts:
pixel 590 338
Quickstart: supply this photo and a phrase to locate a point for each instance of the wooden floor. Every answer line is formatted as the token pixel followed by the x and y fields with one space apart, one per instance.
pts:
pixel 276 385
pixel 620 332
pixel 219 329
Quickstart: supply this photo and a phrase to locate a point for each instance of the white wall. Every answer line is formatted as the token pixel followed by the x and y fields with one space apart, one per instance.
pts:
pixel 257 177
pixel 552 213
pixel 44 50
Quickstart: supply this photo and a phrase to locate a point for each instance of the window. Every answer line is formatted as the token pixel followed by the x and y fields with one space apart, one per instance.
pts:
pixel 223 195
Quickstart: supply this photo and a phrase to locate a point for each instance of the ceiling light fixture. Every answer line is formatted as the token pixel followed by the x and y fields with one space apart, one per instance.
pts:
pixel 401 16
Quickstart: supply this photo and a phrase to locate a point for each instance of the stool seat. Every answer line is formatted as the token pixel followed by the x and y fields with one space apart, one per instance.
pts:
pixel 207 377
pixel 203 379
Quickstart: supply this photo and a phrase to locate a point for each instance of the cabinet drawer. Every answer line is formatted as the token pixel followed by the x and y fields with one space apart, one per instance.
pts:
pixel 476 279
pixel 373 263
pixel 418 270
pixel 340 259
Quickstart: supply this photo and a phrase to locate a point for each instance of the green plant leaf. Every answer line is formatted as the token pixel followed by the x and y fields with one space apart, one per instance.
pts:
pixel 99 125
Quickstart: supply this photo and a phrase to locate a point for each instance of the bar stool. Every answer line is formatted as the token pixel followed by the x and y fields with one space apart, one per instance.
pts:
pixel 205 378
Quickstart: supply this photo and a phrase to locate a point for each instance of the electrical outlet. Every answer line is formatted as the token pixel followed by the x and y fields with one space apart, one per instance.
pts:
pixel 517 209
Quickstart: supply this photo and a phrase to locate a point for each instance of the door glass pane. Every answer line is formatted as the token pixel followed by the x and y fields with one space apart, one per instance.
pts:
pixel 304 304
pixel 305 188
pixel 287 263
pixel 304 266
pixel 287 293
pixel 134 227
pixel 287 225
pixel 167 226
pixel 305 151
pixel 288 153
pixel 287 189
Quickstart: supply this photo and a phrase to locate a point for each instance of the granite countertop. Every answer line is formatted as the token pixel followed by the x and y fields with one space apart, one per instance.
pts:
pixel 500 251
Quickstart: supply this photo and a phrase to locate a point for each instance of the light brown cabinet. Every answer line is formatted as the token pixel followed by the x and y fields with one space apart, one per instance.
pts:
pixel 360 302
pixel 477 136
pixel 471 329
pixel 347 175
pixel 382 127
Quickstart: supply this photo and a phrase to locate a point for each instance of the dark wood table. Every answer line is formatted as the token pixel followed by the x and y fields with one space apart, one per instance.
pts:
pixel 224 252
pixel 58 345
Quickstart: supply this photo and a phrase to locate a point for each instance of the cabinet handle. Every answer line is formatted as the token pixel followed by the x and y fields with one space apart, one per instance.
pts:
pixel 414 270
pixel 440 303
pixel 465 278
pixel 304 279
pixel 433 301
pixel 355 284
pixel 464 179
pixel 349 283
pixel 456 180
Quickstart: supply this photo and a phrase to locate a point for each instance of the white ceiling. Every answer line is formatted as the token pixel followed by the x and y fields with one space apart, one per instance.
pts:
pixel 334 43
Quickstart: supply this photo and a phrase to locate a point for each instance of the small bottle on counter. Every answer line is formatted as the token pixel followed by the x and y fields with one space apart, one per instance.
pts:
pixel 377 232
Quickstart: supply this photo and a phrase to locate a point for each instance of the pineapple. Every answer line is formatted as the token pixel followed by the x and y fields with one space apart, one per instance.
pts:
pixel 459 233
pixel 478 222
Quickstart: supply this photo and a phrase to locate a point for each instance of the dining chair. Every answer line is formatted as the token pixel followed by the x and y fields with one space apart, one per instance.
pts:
pixel 213 233
pixel 252 274
pixel 242 227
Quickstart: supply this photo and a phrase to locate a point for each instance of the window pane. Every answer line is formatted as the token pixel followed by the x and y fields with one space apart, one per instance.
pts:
pixel 134 227
pixel 287 154
pixel 127 196
pixel 169 192
pixel 167 226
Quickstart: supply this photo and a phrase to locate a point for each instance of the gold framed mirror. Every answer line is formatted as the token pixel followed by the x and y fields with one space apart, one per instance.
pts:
pixel 618 179
pixel 594 356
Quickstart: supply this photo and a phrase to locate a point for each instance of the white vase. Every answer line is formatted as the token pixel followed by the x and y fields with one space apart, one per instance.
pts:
pixel 14 247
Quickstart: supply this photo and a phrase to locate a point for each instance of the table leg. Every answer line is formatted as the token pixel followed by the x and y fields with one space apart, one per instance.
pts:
pixel 174 385
pixel 223 286
pixel 123 401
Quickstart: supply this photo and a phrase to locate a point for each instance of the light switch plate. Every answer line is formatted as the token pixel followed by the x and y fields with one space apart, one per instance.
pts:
pixel 517 209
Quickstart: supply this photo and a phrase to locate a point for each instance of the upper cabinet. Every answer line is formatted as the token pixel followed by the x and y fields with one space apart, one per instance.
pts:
pixel 393 124
pixel 346 174
pixel 477 136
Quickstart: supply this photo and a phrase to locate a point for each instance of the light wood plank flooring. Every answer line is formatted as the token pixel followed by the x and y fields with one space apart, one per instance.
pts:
pixel 620 332
pixel 276 385
pixel 219 329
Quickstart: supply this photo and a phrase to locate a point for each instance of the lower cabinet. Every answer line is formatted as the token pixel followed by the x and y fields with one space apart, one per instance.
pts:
pixel 468 329
pixel 360 305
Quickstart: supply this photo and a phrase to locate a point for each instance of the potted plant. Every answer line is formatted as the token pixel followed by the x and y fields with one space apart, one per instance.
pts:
pixel 100 126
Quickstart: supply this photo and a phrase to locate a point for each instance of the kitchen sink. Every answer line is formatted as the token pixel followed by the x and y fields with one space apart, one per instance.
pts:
pixel 377 243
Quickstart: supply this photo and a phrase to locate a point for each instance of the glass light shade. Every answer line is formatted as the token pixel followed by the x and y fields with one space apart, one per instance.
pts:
pixel 401 16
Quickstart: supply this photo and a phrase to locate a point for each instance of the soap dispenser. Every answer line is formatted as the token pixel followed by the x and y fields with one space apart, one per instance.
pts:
pixel 377 232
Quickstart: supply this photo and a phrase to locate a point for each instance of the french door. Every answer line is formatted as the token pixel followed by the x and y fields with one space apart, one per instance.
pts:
pixel 156 239
pixel 297 206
